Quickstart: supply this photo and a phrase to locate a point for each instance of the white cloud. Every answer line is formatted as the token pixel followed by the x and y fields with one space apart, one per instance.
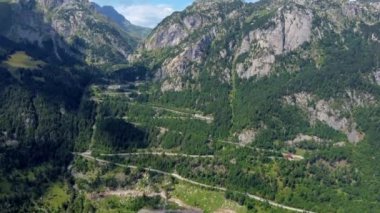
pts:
pixel 147 15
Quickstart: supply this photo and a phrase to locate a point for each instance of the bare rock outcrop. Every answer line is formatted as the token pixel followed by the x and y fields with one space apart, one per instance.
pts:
pixel 167 37
pixel 322 110
pixel 301 137
pixel 376 75
pixel 175 68
pixel 247 136
pixel 290 28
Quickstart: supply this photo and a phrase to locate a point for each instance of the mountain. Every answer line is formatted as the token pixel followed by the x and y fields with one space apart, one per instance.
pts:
pixel 111 13
pixel 227 106
pixel 288 74
pixel 238 43
pixel 71 25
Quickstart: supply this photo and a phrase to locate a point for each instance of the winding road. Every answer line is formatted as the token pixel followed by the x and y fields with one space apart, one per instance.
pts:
pixel 159 154
pixel 286 155
pixel 176 176
pixel 208 119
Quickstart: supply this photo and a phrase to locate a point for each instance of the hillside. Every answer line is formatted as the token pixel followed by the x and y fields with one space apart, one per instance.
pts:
pixel 284 75
pixel 226 106
pixel 73 26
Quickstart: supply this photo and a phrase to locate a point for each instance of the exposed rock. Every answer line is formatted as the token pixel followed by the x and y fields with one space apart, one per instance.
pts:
pixel 174 69
pixel 291 28
pixel 247 136
pixel 374 38
pixel 340 144
pixel 73 27
pixel 167 37
pixel 193 22
pixel 258 67
pixel 11 143
pixel 352 10
pixel 301 138
pixel 298 24
pixel 377 76
pixel 358 99
pixel 323 111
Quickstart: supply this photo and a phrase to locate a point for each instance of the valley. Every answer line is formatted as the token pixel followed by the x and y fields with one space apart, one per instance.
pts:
pixel 226 107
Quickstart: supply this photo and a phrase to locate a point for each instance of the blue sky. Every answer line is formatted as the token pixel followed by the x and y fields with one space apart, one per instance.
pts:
pixel 146 13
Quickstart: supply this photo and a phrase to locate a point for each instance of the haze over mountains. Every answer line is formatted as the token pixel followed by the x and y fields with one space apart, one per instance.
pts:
pixel 109 11
pixel 226 106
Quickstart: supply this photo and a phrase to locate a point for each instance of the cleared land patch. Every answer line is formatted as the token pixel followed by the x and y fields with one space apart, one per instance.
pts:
pixel 209 201
pixel 20 60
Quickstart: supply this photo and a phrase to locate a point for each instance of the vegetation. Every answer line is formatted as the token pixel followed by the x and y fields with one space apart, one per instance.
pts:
pixel 209 201
pixel 51 111
pixel 22 60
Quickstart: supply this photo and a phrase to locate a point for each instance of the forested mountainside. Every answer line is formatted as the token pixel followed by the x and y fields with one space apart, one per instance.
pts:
pixel 110 12
pixel 72 25
pixel 226 106
pixel 42 118
pixel 296 75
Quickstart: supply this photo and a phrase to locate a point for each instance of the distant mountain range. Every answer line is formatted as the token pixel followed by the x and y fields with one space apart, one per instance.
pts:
pixel 111 13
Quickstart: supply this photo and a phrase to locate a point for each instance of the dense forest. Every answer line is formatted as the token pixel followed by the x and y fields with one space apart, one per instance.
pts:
pixel 75 137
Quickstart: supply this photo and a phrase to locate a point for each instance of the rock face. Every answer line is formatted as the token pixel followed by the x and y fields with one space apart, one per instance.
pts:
pixel 188 37
pixel 283 30
pixel 322 110
pixel 172 33
pixel 377 76
pixel 301 138
pixel 289 29
pixel 72 26
pixel 250 38
pixel 239 43
pixel 247 136
pixel 188 59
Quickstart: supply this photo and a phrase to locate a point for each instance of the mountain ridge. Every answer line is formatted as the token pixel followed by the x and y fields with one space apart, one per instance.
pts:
pixel 109 11
pixel 278 101
pixel 72 25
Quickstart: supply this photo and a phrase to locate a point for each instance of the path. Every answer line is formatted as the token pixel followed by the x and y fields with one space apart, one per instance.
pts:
pixel 174 175
pixel 288 156
pixel 159 154
pixel 208 119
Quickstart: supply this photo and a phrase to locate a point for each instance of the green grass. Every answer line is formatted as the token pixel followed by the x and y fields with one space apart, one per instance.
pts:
pixel 20 60
pixel 5 187
pixel 56 196
pixel 113 204
pixel 207 200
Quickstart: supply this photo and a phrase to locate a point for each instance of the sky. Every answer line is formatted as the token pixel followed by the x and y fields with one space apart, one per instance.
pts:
pixel 147 13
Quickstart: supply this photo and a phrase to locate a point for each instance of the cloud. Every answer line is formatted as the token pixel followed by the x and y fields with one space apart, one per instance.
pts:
pixel 147 15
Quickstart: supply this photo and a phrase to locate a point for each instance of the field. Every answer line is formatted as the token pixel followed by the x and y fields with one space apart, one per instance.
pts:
pixel 20 60
pixel 209 201
pixel 56 196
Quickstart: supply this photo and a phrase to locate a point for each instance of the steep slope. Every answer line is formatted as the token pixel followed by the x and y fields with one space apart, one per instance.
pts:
pixel 44 114
pixel 290 74
pixel 72 25
pixel 110 12
pixel 236 42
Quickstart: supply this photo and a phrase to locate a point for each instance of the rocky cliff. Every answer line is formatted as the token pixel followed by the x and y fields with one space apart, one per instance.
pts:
pixel 242 45
pixel 254 35
pixel 72 25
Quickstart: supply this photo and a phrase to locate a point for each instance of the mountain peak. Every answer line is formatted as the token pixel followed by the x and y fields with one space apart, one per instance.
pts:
pixel 214 1
pixel 110 12
pixel 48 4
